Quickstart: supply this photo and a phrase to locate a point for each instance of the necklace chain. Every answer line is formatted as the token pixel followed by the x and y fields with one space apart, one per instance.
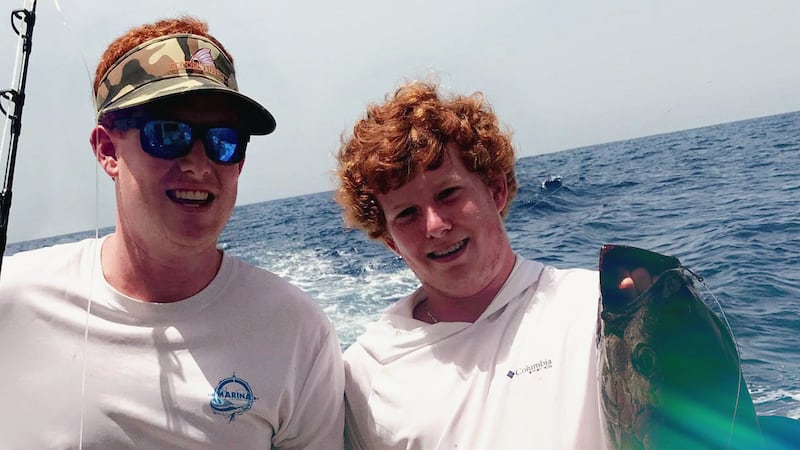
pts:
pixel 430 315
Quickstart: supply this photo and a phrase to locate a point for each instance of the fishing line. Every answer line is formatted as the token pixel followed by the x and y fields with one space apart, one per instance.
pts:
pixel 95 251
pixel 738 359
pixel 735 344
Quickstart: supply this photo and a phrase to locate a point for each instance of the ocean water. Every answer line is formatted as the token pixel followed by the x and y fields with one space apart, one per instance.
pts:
pixel 723 199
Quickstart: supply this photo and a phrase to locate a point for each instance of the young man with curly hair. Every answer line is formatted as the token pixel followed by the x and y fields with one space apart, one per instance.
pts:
pixel 492 351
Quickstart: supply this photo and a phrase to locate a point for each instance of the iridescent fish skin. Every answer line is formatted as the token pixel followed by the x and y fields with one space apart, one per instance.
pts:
pixel 669 370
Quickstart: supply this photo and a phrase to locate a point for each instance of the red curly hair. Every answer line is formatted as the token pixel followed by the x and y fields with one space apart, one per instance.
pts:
pixel 408 134
pixel 143 33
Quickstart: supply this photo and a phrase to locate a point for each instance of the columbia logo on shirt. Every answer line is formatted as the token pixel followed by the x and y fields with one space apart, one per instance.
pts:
pixel 531 368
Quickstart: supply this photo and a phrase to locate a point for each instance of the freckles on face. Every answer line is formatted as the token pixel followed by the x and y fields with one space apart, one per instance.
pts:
pixel 445 224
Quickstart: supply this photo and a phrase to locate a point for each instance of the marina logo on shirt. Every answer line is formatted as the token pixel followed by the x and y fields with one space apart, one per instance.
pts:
pixel 531 368
pixel 232 397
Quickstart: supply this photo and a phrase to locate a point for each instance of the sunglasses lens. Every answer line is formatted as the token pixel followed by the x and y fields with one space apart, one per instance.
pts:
pixel 166 139
pixel 225 145
pixel 169 139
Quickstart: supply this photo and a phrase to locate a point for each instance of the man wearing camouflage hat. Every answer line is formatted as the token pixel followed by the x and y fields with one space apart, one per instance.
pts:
pixel 152 337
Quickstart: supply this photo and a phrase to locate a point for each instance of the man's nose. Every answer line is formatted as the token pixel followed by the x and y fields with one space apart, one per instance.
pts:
pixel 436 223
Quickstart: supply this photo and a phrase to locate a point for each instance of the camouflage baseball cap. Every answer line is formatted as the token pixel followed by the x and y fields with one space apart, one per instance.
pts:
pixel 171 65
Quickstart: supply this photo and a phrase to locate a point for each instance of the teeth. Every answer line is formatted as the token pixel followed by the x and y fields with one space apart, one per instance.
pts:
pixel 452 249
pixel 191 195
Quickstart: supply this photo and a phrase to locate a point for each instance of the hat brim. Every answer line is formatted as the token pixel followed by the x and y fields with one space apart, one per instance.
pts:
pixel 256 120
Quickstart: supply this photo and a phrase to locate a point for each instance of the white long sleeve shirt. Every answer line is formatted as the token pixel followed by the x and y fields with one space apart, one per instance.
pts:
pixel 523 375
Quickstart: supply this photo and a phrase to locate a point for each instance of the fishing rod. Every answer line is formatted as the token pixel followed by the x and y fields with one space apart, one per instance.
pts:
pixel 17 97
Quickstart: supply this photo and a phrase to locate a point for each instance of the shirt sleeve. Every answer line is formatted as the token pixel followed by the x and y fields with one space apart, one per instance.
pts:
pixel 317 419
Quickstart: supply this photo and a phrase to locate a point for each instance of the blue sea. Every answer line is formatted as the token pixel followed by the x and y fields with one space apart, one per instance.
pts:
pixel 724 199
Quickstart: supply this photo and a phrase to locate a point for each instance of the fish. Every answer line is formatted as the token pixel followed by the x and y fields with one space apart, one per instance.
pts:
pixel 668 367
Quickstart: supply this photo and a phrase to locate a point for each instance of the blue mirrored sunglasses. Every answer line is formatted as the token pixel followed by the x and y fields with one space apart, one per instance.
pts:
pixel 170 139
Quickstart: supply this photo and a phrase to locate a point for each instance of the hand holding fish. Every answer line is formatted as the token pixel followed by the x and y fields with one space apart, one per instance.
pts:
pixel 633 283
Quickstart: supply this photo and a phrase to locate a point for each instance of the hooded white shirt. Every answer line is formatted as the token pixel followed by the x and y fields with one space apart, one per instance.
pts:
pixel 524 375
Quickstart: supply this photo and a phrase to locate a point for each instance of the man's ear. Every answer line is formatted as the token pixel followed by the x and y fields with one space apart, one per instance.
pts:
pixel 389 243
pixel 498 187
pixel 105 150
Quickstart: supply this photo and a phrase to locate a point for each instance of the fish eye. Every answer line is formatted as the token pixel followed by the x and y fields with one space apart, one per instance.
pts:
pixel 644 360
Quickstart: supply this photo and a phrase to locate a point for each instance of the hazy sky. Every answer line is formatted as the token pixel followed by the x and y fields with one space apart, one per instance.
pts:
pixel 560 73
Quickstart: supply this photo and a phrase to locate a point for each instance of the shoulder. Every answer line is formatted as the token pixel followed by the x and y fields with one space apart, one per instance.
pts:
pixel 360 370
pixel 574 292
pixel 271 292
pixel 37 263
pixel 531 270
pixel 575 273
pixel 53 253
pixel 571 280
pixel 355 353
pixel 554 282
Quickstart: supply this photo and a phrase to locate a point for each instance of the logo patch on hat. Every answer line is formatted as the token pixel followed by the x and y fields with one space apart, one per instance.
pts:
pixel 201 62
